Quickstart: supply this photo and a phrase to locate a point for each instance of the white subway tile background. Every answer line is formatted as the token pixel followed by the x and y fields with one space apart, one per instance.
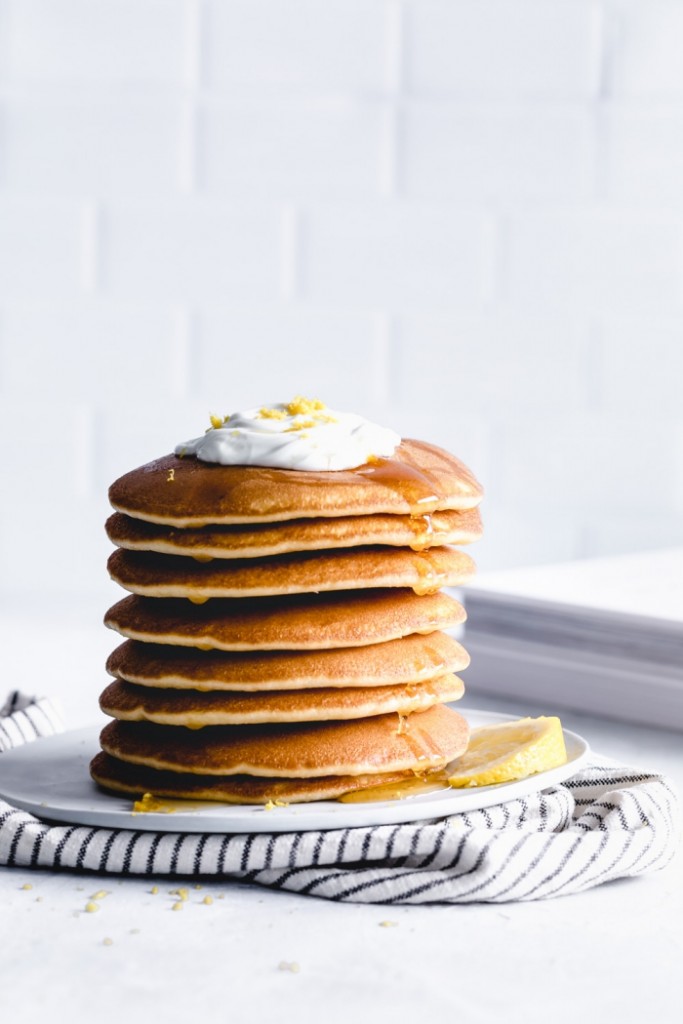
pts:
pixel 463 218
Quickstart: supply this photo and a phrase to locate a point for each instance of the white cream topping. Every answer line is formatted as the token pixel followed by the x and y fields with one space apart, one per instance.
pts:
pixel 303 434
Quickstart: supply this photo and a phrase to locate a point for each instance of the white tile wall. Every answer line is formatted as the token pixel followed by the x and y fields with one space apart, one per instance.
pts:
pixel 322 149
pixel 300 45
pixel 598 260
pixel 503 49
pixel 94 43
pixel 461 351
pixel 40 247
pixel 244 354
pixel 398 256
pixel 462 218
pixel 191 251
pixel 590 464
pixel 483 152
pixel 642 366
pixel 643 153
pixel 646 60
pixel 88 145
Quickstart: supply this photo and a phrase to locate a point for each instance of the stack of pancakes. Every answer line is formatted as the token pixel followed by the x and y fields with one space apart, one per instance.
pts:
pixel 285 628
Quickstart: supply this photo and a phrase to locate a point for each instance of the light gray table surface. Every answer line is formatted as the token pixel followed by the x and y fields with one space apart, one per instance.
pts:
pixel 610 954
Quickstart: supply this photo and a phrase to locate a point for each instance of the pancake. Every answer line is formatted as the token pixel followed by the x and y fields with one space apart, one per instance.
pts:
pixel 420 742
pixel 420 478
pixel 154 575
pixel 135 780
pixel 413 658
pixel 259 540
pixel 309 622
pixel 128 702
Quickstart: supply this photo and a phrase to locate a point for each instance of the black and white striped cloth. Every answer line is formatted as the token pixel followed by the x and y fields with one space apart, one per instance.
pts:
pixel 606 822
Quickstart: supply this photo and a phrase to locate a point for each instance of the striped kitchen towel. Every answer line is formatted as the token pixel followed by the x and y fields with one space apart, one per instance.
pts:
pixel 606 822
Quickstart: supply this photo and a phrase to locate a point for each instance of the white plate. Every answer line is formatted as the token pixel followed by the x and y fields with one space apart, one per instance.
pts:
pixel 50 779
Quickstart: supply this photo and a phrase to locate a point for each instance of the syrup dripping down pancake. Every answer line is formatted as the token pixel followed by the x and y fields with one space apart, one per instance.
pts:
pixel 308 622
pixel 259 540
pixel 419 479
pixel 423 741
pixel 413 658
pixel 154 575
pixel 135 780
pixel 127 702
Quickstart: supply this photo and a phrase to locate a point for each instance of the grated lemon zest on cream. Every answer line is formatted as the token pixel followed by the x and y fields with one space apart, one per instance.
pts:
pixel 300 425
pixel 270 413
pixel 301 406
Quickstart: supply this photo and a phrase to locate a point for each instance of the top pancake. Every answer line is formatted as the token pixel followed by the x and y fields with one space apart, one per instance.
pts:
pixel 419 479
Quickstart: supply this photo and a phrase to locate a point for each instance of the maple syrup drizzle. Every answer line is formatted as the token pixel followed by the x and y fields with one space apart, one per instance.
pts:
pixel 414 486
pixel 430 580
pixel 423 531
pixel 430 663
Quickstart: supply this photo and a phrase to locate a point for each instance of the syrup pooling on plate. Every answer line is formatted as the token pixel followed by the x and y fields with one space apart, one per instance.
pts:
pixel 433 783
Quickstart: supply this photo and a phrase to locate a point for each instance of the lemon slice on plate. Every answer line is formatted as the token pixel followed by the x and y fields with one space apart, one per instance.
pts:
pixel 512 750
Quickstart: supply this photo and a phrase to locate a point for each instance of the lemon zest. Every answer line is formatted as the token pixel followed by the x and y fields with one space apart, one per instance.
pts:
pixel 301 406
pixel 270 805
pixel 271 413
pixel 300 425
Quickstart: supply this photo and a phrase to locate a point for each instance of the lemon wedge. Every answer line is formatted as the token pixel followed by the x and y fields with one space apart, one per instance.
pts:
pixel 512 750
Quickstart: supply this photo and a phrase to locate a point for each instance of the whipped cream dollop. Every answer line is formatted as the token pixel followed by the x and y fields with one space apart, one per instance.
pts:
pixel 302 434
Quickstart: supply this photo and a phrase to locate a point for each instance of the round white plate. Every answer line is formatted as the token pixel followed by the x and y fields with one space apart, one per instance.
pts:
pixel 50 779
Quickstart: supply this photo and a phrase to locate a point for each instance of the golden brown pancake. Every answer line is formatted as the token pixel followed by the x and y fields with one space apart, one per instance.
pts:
pixel 423 741
pixel 419 479
pixel 413 658
pixel 130 703
pixel 258 540
pixel 308 622
pixel 135 780
pixel 425 572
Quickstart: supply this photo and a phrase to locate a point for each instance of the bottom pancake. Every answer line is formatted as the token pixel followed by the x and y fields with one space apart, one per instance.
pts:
pixel 420 742
pixel 120 777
